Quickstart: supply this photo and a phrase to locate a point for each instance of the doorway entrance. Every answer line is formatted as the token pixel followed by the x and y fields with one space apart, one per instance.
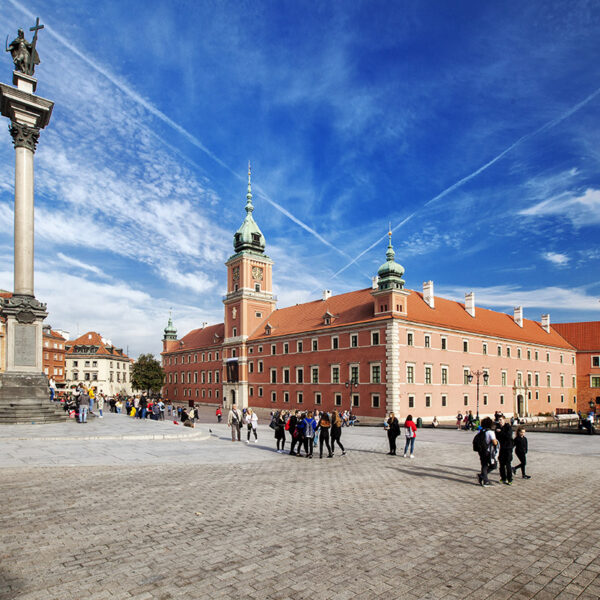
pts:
pixel 520 406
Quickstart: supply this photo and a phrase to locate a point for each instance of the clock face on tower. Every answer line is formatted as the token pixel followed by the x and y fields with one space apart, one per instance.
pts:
pixel 236 273
pixel 257 273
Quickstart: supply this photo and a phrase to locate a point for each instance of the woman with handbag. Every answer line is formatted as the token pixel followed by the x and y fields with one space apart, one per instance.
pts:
pixel 410 433
pixel 251 422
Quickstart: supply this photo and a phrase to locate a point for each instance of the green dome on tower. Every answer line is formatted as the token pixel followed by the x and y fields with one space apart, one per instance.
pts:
pixel 390 272
pixel 170 331
pixel 249 236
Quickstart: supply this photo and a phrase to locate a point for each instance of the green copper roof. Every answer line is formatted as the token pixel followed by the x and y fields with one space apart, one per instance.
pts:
pixel 390 272
pixel 249 236
pixel 170 331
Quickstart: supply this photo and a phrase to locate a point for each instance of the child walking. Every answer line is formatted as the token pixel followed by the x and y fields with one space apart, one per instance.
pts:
pixel 520 442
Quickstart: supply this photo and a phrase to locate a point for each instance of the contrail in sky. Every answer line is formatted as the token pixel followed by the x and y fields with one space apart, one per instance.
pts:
pixel 474 174
pixel 128 91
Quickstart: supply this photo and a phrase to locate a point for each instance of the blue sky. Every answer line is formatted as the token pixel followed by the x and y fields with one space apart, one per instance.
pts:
pixel 472 127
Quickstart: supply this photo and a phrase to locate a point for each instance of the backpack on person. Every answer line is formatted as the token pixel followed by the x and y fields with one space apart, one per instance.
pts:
pixel 308 429
pixel 479 443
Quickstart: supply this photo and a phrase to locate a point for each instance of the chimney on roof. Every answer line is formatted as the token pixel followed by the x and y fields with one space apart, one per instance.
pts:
pixel 546 323
pixel 470 303
pixel 374 282
pixel 89 336
pixel 518 315
pixel 326 294
pixel 204 324
pixel 428 293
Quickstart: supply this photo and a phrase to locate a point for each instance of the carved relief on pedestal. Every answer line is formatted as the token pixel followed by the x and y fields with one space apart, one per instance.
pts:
pixel 25 309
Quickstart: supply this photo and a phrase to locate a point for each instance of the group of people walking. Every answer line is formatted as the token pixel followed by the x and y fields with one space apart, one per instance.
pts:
pixel 306 430
pixel 495 444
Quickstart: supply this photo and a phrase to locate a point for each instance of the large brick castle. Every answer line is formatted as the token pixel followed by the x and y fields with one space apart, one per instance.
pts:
pixel 373 350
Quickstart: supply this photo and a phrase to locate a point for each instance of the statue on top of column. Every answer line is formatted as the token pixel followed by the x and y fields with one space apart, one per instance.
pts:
pixel 24 54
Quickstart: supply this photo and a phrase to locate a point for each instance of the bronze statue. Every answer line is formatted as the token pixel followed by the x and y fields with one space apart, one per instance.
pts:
pixel 24 54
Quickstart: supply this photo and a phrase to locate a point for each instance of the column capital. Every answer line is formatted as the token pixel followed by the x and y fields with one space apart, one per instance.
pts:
pixel 24 136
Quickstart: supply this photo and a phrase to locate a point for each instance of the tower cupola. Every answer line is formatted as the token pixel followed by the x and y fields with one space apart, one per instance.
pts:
pixel 170 331
pixel 390 272
pixel 249 237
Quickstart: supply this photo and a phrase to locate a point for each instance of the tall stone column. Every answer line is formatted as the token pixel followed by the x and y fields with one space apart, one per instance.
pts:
pixel 25 139
pixel 23 385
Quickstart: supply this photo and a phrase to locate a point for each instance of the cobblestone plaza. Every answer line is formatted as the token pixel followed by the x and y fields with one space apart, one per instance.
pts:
pixel 126 509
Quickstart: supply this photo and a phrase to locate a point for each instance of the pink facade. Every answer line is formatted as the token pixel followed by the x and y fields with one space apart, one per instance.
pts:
pixel 378 349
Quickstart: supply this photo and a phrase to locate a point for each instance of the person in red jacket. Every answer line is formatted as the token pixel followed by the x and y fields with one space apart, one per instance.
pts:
pixel 410 433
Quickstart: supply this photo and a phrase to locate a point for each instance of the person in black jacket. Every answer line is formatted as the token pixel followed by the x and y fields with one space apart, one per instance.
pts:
pixel 324 426
pixel 504 435
pixel 279 423
pixel 521 452
pixel 336 432
pixel 295 436
pixel 393 431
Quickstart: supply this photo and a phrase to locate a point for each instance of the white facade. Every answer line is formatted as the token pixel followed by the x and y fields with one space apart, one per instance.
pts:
pixel 109 374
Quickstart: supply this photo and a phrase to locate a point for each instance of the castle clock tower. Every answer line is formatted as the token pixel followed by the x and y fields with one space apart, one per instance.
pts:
pixel 248 302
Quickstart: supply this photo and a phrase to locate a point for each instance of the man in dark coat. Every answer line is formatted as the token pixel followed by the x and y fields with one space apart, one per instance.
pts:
pixel 504 435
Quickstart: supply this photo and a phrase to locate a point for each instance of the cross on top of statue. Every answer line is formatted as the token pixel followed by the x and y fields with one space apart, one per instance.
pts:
pixel 24 54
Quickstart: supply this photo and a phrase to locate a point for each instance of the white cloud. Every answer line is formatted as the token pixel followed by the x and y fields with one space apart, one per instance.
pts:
pixel 556 258
pixel 81 265
pixel 507 296
pixel 580 210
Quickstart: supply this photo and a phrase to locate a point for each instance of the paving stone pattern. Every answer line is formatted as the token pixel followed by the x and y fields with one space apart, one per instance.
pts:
pixel 208 518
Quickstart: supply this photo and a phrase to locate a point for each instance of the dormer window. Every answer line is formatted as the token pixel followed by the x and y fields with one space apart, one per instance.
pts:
pixel 238 238
pixel 268 329
pixel 328 318
pixel 255 238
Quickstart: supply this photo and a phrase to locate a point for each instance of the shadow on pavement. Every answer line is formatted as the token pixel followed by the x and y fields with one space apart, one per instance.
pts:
pixel 436 473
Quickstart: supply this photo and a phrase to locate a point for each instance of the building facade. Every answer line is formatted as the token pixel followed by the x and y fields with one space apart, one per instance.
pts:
pixel 53 355
pixel 95 361
pixel 372 350
pixel 585 337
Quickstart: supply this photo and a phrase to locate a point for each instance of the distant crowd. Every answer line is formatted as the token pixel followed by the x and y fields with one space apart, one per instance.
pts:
pixel 306 430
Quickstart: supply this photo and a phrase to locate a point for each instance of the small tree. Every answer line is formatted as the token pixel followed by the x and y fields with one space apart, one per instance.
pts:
pixel 147 374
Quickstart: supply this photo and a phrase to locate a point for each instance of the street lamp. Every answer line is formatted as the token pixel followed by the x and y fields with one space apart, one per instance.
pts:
pixel 352 383
pixel 478 374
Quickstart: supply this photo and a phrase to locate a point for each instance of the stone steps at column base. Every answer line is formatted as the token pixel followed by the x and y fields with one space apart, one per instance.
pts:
pixel 24 398
pixel 32 412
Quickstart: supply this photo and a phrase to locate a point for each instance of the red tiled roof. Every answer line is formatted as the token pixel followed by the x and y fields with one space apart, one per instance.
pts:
pixel 55 334
pixel 91 338
pixel 584 336
pixel 203 337
pixel 357 307
pixel 350 308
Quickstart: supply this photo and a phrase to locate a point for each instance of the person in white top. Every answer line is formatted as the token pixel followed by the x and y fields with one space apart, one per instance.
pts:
pixel 488 457
pixel 52 385
pixel 251 423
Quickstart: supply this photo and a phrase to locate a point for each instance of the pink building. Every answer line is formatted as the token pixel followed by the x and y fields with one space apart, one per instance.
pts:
pixel 375 350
